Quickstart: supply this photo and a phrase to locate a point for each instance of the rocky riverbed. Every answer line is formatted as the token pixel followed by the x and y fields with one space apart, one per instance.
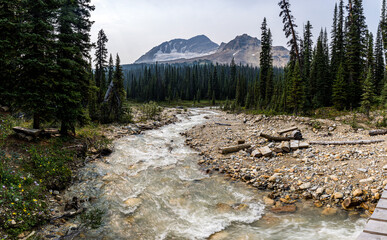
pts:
pixel 349 177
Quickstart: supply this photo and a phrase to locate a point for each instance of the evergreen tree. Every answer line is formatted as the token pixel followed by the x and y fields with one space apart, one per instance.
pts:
pixel 290 30
pixel 367 97
pixel 73 45
pixel 100 66
pixel 266 64
pixel 337 43
pixel 379 62
pixel 370 58
pixel 355 46
pixel 338 93
pixel 296 92
pixel 307 50
pixel 110 69
pixel 38 58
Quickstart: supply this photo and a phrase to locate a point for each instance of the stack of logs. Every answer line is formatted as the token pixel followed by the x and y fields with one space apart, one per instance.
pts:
pixel 288 144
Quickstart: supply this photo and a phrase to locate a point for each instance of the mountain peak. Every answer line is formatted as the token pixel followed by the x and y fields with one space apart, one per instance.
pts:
pixel 180 48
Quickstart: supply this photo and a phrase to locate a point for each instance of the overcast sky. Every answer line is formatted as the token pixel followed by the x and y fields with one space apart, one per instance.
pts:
pixel 133 27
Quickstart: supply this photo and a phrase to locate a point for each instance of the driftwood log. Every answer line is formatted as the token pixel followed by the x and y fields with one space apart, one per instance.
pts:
pixel 354 142
pixel 378 132
pixel 285 146
pixel 275 138
pixel 236 148
pixel 223 124
pixel 287 130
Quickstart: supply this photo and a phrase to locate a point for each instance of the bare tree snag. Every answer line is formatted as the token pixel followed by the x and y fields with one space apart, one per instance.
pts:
pixel 232 149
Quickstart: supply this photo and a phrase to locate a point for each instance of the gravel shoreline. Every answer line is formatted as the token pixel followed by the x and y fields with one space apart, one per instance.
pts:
pixel 349 177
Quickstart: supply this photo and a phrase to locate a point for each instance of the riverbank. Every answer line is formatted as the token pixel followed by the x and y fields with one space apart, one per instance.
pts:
pixel 349 177
pixel 35 174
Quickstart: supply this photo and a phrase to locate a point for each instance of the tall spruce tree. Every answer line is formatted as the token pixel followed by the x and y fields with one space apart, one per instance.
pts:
pixel 379 62
pixel 296 94
pixel 355 47
pixel 338 92
pixel 38 58
pixel 290 31
pixel 73 46
pixel 368 96
pixel 266 64
pixel 101 64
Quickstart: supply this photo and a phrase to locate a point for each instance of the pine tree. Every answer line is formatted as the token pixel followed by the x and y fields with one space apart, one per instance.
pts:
pixel 100 66
pixel 367 97
pixel 35 89
pixel 73 45
pixel 307 50
pixel 11 46
pixel 296 93
pixel 379 62
pixel 355 46
pixel 370 58
pixel 110 69
pixel 290 30
pixel 266 64
pixel 338 92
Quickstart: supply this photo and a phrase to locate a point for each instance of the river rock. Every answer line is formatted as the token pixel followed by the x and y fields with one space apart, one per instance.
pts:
pixel 219 236
pixel 256 153
pixel 284 209
pixel 131 202
pixel 367 180
pixel 223 207
pixel 357 192
pixel 268 201
pixel 385 168
pixel 274 177
pixel 320 190
pixel 329 211
pixel 266 151
pixel 305 186
pixel 338 195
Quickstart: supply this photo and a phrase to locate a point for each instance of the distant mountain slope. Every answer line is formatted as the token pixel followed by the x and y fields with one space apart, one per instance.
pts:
pixel 180 49
pixel 245 50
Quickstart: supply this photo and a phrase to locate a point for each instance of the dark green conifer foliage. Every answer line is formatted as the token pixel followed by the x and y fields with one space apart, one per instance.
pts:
pixel 37 77
pixel 290 31
pixel 367 98
pixel 110 69
pixel 355 46
pixel 379 62
pixel 100 66
pixel 370 57
pixel 11 40
pixel 266 64
pixel 296 93
pixel 339 90
pixel 73 46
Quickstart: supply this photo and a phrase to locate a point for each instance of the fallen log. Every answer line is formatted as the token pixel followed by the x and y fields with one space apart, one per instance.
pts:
pixel 294 144
pixel 223 124
pixel 378 132
pixel 232 149
pixel 274 138
pixel 287 130
pixel 355 142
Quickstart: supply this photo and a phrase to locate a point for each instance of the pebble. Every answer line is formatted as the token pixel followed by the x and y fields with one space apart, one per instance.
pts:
pixel 338 195
pixel 357 192
pixel 305 186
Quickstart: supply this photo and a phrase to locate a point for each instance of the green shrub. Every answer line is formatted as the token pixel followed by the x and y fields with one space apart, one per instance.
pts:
pixel 150 110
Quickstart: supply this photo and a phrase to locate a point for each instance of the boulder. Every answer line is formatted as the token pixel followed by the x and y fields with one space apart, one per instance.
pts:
pixel 338 195
pixel 357 192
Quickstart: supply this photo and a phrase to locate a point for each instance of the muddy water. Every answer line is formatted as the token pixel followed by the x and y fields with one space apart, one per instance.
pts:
pixel 151 188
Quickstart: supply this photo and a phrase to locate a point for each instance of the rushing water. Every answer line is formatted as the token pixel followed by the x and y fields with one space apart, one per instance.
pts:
pixel 151 188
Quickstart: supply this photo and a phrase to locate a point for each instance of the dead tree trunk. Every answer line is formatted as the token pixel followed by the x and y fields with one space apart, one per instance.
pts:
pixel 236 148
pixel 378 132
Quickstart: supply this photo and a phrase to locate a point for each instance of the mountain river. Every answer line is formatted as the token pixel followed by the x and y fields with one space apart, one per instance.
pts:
pixel 151 188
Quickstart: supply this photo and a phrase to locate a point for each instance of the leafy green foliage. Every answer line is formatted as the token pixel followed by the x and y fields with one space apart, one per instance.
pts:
pixel 21 198
pixel 150 110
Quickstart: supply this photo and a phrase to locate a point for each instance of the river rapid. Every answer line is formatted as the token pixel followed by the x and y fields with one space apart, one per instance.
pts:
pixel 151 187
